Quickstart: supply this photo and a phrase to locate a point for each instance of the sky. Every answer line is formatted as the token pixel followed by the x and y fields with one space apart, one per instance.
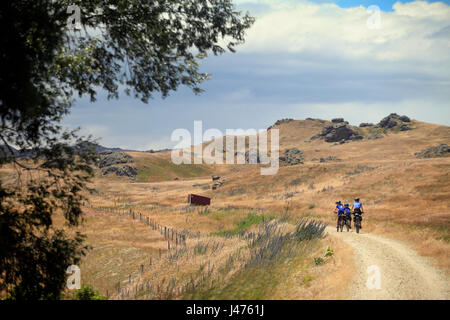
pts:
pixel 320 59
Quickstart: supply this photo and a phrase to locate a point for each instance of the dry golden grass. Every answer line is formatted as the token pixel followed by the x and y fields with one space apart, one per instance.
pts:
pixel 404 197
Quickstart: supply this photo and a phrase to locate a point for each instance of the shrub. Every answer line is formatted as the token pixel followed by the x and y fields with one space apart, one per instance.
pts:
pixel 329 252
pixel 88 293
pixel 318 261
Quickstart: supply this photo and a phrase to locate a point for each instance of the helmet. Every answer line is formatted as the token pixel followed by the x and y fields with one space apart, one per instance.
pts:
pixel 356 199
pixel 346 205
pixel 338 202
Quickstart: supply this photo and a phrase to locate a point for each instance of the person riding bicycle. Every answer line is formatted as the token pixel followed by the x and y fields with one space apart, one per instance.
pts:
pixel 348 214
pixel 357 209
pixel 340 210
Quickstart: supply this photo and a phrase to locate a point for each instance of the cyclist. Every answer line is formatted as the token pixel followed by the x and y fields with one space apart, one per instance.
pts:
pixel 339 211
pixel 348 214
pixel 357 208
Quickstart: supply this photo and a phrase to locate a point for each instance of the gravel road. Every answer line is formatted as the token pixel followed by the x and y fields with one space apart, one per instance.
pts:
pixel 389 269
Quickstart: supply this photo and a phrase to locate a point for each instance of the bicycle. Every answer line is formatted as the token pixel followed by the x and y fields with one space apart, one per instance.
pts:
pixel 358 220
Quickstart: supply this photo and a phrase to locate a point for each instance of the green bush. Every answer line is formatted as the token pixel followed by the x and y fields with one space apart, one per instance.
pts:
pixel 329 252
pixel 243 224
pixel 88 293
pixel 318 261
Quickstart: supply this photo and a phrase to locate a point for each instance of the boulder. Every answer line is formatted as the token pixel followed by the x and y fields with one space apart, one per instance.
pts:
pixel 217 185
pixel 375 136
pixel 108 158
pixel 365 124
pixel 405 119
pixel 215 177
pixel 123 171
pixel 404 127
pixel 439 151
pixel 337 120
pixel 338 132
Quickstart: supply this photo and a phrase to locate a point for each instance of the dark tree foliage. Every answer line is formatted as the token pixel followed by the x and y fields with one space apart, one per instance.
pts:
pixel 142 47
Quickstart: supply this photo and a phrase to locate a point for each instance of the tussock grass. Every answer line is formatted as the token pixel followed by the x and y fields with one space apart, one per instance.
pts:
pixel 272 253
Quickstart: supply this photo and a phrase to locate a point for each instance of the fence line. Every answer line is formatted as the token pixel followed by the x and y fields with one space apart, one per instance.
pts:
pixel 173 237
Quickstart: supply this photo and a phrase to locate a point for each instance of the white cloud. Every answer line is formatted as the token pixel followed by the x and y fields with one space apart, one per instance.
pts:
pixel 327 28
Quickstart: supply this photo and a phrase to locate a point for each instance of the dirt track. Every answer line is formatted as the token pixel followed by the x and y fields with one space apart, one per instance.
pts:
pixel 403 273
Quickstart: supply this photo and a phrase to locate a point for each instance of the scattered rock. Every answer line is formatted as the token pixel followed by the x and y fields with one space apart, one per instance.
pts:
pixel 439 151
pixel 127 171
pixel 365 124
pixel 291 157
pixel 215 177
pixel 375 136
pixel 108 158
pixel 337 120
pixel 330 158
pixel 289 195
pixel 176 178
pixel 217 185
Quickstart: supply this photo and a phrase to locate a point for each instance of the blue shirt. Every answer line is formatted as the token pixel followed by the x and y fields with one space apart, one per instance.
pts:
pixel 348 211
pixel 340 208
pixel 357 205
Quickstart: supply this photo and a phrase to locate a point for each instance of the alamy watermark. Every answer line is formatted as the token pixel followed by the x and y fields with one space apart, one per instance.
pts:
pixel 213 153
pixel 374 21
pixel 374 280
pixel 74 280
pixel 74 20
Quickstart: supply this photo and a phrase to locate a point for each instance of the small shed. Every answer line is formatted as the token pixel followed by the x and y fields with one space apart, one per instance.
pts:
pixel 198 200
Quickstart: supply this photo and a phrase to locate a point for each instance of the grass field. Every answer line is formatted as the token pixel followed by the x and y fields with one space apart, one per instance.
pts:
pixel 404 197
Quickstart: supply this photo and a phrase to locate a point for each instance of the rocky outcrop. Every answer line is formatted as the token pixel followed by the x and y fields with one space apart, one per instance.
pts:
pixel 312 119
pixel 278 122
pixel 394 121
pixel 108 158
pixel 439 151
pixel 215 177
pixel 291 157
pixel 338 132
pixel 122 171
pixel 365 124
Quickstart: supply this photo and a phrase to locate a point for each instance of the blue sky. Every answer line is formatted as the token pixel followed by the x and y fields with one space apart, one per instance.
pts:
pixel 385 5
pixel 301 59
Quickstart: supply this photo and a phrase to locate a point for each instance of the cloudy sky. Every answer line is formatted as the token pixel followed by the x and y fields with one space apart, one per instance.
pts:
pixel 319 59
